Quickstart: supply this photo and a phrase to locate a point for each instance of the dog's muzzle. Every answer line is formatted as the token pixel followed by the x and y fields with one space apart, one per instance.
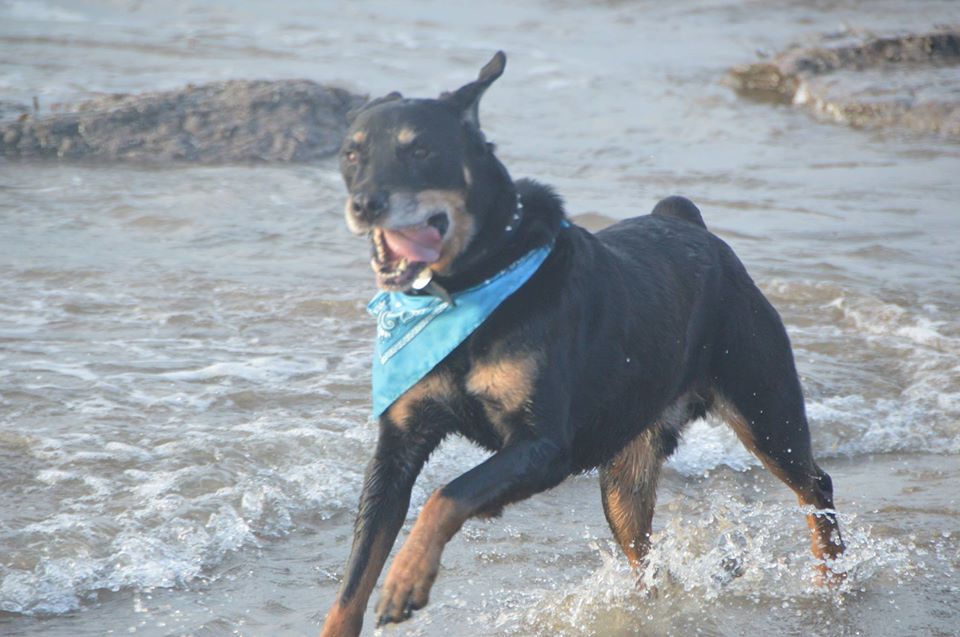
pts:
pixel 409 232
pixel 367 207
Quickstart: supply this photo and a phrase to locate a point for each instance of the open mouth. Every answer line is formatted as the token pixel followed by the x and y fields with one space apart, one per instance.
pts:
pixel 400 254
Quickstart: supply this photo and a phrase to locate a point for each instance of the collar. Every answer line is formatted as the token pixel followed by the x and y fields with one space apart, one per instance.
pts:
pixel 516 219
pixel 416 332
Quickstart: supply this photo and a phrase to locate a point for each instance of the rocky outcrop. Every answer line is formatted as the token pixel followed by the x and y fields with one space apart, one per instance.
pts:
pixel 221 122
pixel 910 81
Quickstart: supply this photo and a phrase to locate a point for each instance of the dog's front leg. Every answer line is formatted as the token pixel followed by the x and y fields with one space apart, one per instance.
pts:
pixel 383 506
pixel 514 473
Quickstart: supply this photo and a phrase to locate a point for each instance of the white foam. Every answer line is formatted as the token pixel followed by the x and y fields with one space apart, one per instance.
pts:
pixel 55 476
pixel 708 444
pixel 75 371
pixel 176 511
pixel 261 369
pixel 55 586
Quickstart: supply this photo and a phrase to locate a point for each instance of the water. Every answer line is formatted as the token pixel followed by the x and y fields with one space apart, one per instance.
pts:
pixel 184 378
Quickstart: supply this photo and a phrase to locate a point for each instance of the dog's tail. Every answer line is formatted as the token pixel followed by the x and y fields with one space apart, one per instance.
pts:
pixel 679 208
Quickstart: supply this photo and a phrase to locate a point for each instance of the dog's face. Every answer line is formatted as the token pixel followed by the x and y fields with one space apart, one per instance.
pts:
pixel 406 164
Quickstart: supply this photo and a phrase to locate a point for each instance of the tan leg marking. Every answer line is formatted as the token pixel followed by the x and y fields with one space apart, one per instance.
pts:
pixel 630 495
pixel 823 526
pixel 621 508
pixel 732 416
pixel 504 386
pixel 507 381
pixel 437 386
pixel 416 565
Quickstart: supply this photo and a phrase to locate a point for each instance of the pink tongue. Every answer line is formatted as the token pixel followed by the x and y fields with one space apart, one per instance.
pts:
pixel 422 243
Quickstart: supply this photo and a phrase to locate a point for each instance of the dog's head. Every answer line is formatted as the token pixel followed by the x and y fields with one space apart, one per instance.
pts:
pixel 412 168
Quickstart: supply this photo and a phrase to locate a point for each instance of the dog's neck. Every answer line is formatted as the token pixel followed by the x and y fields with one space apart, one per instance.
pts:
pixel 509 232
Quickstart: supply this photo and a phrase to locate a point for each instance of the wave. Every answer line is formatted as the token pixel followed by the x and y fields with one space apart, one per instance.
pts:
pixel 194 448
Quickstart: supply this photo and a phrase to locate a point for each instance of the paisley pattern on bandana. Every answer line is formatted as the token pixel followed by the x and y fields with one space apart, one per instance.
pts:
pixel 415 333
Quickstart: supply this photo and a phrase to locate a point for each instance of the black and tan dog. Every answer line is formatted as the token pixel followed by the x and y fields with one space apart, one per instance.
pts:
pixel 617 341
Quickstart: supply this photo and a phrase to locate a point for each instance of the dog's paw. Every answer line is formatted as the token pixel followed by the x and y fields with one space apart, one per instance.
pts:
pixel 407 587
pixel 826 577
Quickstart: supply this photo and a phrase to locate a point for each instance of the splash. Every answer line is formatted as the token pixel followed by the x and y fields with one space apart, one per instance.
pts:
pixel 709 568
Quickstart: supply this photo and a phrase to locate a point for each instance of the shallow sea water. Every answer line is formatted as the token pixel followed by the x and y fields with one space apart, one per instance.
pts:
pixel 184 351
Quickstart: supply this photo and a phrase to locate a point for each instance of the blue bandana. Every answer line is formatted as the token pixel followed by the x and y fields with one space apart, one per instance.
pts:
pixel 401 359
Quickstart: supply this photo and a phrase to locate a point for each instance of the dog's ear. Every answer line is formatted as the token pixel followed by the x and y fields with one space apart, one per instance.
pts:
pixel 389 97
pixel 466 99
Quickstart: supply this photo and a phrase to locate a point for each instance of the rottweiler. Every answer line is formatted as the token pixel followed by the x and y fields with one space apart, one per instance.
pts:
pixel 611 344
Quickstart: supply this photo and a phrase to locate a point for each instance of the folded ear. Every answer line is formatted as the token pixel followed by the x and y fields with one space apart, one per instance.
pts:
pixel 466 99
pixel 389 97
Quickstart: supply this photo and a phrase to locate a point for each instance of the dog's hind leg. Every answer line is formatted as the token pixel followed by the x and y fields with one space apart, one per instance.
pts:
pixel 628 483
pixel 628 486
pixel 759 395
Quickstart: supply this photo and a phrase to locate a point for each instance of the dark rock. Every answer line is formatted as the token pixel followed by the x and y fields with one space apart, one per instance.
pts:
pixel 909 81
pixel 234 121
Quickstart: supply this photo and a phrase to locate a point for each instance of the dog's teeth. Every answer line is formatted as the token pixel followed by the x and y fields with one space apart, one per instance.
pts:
pixel 378 246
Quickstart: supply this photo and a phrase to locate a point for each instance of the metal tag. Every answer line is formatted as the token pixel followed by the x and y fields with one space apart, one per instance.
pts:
pixel 423 279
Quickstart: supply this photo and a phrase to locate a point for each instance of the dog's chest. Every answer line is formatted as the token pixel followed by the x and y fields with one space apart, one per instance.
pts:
pixel 504 386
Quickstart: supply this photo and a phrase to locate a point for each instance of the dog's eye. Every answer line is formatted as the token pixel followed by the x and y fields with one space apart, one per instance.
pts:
pixel 420 152
pixel 352 156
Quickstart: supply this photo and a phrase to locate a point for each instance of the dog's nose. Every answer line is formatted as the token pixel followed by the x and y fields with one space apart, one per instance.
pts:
pixel 369 205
